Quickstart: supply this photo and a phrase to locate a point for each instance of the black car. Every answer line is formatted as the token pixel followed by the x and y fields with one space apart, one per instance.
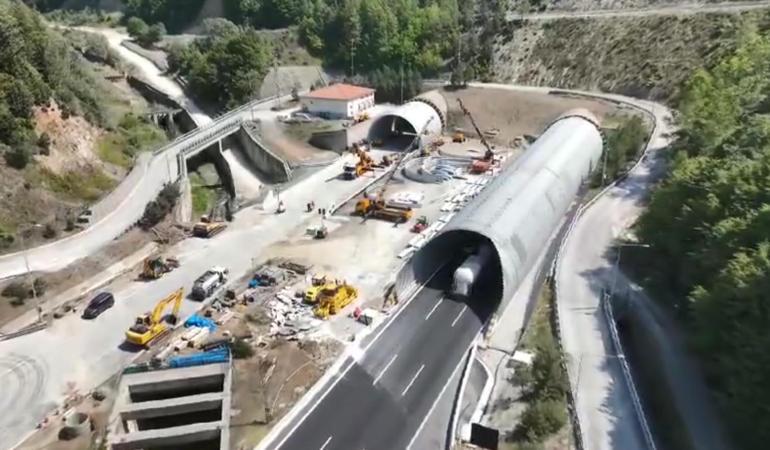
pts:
pixel 102 302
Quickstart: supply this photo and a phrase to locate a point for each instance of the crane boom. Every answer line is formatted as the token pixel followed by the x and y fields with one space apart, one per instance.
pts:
pixel 175 298
pixel 490 153
pixel 394 168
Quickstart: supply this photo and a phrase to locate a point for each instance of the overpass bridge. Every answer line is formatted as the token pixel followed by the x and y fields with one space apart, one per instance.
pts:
pixel 123 207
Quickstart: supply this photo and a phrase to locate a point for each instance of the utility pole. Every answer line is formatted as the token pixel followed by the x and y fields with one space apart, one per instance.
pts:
pixel 402 79
pixel 352 59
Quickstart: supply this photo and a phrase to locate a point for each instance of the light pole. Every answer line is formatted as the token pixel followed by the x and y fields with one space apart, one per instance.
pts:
pixel 29 272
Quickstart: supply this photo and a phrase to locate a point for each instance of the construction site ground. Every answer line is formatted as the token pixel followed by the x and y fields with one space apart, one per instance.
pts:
pixel 515 113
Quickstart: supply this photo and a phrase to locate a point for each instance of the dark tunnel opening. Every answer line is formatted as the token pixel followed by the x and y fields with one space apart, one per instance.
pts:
pixel 435 266
pixel 394 131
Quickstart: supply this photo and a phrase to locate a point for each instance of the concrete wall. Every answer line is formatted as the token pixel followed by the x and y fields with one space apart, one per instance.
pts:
pixel 149 92
pixel 342 139
pixel 266 162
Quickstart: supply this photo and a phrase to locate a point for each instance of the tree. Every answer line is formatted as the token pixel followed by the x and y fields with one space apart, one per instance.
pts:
pixel 136 27
pixel 153 35
pixel 541 419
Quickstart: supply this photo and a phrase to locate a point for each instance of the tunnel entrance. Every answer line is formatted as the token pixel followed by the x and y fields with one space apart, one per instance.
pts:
pixel 435 264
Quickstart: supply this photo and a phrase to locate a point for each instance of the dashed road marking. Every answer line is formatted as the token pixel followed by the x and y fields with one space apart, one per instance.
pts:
pixel 414 378
pixel 454 322
pixel 326 443
pixel 434 308
pixel 385 369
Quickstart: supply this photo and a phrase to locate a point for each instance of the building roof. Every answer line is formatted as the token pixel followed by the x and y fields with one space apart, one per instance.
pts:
pixel 340 91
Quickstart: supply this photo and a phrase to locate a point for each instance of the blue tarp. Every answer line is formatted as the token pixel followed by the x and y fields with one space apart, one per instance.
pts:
pixel 198 321
pixel 219 355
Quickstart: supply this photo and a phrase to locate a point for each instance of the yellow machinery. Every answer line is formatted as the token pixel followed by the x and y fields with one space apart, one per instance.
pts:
pixel 150 326
pixel 364 164
pixel 333 298
pixel 154 268
pixel 318 282
pixel 377 208
pixel 207 228
pixel 458 136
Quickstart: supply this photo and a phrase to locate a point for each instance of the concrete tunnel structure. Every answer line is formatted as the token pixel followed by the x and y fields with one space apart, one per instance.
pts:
pixel 518 211
pixel 426 111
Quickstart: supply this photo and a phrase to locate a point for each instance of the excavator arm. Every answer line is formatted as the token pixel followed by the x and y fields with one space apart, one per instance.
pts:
pixel 175 298
pixel 490 153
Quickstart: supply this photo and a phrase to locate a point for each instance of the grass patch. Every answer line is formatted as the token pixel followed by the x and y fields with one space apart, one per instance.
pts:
pixel 132 136
pixel 86 185
pixel 303 131
pixel 202 195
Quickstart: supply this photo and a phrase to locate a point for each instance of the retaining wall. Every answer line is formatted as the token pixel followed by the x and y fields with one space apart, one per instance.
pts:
pixel 266 162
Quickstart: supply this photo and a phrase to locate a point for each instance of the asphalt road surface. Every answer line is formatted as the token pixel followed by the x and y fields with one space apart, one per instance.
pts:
pixel 381 399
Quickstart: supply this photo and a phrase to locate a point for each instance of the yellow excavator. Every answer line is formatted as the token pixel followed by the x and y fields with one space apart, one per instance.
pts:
pixel 149 326
pixel 155 268
pixel 333 298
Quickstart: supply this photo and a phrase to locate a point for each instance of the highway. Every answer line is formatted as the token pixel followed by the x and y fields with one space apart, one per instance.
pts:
pixel 380 400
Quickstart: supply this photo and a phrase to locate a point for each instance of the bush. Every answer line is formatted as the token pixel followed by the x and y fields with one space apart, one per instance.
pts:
pixel 15 289
pixel 156 210
pixel 50 231
pixel 241 349
pixel 44 141
pixel 541 419
pixel 17 157
pixel 136 27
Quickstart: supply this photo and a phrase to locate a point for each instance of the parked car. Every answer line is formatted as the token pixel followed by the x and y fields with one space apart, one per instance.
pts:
pixel 100 303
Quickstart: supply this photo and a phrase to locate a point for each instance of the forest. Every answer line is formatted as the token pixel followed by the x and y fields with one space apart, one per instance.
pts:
pixel 708 227
pixel 37 65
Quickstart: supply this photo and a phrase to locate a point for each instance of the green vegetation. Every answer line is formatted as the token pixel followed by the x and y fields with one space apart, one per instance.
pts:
pixel 202 195
pixel 85 185
pixel 708 225
pixel 241 349
pixel 544 384
pixel 36 64
pixel 623 146
pixel 226 67
pixel 19 291
pixel 145 35
pixel 158 209
pixel 133 135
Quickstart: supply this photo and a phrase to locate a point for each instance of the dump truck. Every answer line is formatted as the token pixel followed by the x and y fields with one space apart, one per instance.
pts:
pixel 206 284
pixel 150 326
pixel 207 227
pixel 154 268
pixel 333 298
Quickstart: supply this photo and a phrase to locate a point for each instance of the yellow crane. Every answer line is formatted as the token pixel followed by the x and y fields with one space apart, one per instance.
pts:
pixel 151 325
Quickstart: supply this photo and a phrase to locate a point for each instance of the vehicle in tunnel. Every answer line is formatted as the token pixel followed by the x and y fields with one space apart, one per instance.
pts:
pixel 466 275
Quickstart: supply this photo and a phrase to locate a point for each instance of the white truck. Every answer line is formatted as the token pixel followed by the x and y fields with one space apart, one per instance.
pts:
pixel 469 271
pixel 206 284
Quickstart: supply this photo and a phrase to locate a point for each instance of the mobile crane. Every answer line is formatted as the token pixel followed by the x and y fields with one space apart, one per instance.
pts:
pixel 479 165
pixel 149 326
pixel 376 206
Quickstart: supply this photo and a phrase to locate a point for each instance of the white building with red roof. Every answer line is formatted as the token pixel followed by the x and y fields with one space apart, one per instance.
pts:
pixel 338 101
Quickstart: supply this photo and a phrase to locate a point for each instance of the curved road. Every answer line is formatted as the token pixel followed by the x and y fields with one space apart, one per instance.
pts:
pixel 672 10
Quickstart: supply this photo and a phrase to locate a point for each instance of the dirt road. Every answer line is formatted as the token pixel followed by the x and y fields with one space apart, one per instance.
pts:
pixel 683 9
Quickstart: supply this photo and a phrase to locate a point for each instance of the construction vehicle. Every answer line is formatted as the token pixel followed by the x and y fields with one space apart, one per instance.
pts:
pixel 333 298
pixel 154 268
pixel 458 136
pixel 364 164
pixel 317 282
pixel 376 206
pixel 149 326
pixel 207 227
pixel 420 225
pixel 363 117
pixel 206 284
pixel 479 166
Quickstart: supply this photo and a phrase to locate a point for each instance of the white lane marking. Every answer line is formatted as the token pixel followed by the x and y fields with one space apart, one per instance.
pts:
pixel 326 443
pixel 385 369
pixel 414 378
pixel 441 394
pixel 454 322
pixel 434 308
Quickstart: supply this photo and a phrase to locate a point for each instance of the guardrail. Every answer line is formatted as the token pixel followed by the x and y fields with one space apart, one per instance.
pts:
pixel 607 307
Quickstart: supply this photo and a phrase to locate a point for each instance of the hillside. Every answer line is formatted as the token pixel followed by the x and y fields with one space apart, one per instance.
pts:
pixel 67 135
pixel 647 57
